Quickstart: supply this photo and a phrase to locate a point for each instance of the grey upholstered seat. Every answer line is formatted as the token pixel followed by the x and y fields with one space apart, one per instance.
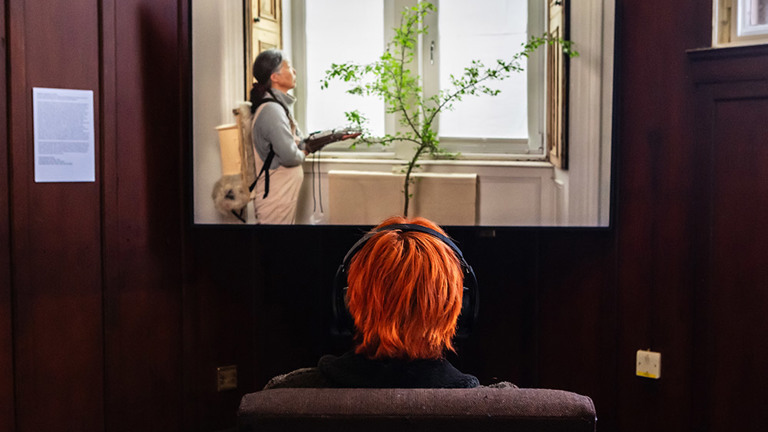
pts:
pixel 396 410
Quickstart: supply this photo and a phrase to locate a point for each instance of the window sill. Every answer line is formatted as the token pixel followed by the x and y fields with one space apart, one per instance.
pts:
pixel 470 159
pixel 509 192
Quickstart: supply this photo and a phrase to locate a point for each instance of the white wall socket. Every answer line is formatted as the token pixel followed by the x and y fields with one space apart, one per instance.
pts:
pixel 648 364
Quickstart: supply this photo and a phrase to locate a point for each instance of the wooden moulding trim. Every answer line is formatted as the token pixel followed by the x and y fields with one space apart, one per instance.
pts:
pixel 729 64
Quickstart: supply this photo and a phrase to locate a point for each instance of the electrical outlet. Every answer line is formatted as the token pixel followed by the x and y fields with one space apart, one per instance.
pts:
pixel 226 377
pixel 648 364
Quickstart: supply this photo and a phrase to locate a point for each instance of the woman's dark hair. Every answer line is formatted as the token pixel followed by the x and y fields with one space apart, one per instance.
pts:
pixel 267 62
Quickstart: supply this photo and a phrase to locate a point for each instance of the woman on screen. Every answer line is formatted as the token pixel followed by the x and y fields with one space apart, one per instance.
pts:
pixel 279 150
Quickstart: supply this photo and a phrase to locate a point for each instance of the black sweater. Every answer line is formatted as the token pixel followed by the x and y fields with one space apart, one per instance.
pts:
pixel 356 371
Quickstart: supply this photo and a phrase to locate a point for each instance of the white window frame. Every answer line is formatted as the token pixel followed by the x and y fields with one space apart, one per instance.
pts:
pixel 480 148
pixel 730 27
pixel 536 81
pixel 584 190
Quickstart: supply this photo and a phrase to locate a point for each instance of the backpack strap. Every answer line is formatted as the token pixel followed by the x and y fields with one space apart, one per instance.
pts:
pixel 270 155
pixel 265 171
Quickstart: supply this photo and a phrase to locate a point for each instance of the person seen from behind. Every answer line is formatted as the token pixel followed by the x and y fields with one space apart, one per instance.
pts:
pixel 404 294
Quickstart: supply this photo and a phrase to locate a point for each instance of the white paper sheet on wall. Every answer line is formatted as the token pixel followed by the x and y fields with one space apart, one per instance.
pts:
pixel 64 135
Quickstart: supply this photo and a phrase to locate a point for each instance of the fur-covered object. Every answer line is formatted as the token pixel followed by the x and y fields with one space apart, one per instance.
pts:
pixel 244 122
pixel 231 196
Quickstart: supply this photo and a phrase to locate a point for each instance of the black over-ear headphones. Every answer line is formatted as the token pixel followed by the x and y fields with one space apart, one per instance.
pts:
pixel 343 322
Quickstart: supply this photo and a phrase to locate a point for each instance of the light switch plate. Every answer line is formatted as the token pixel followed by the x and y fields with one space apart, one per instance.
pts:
pixel 648 364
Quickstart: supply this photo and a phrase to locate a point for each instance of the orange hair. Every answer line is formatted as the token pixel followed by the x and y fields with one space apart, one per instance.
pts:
pixel 405 292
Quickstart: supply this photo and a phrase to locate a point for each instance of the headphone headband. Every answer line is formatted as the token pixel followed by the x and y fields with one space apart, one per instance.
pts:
pixel 405 228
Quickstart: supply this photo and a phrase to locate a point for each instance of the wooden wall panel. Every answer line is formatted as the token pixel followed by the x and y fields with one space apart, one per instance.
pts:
pixel 660 210
pixel 736 351
pixel 220 314
pixel 144 223
pixel 6 328
pixel 733 99
pixel 504 262
pixel 56 244
pixel 576 308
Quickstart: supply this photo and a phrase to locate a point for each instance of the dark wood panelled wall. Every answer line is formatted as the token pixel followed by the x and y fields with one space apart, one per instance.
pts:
pixel 96 268
pixel 55 229
pixel 6 332
pixel 115 311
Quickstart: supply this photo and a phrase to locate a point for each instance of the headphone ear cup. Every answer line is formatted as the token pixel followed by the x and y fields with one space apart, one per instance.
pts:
pixel 470 304
pixel 343 324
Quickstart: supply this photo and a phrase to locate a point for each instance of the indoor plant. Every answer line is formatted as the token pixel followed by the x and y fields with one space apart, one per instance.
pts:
pixel 392 79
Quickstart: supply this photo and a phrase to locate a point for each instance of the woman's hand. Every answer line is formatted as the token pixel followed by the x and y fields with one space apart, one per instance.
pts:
pixel 348 136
